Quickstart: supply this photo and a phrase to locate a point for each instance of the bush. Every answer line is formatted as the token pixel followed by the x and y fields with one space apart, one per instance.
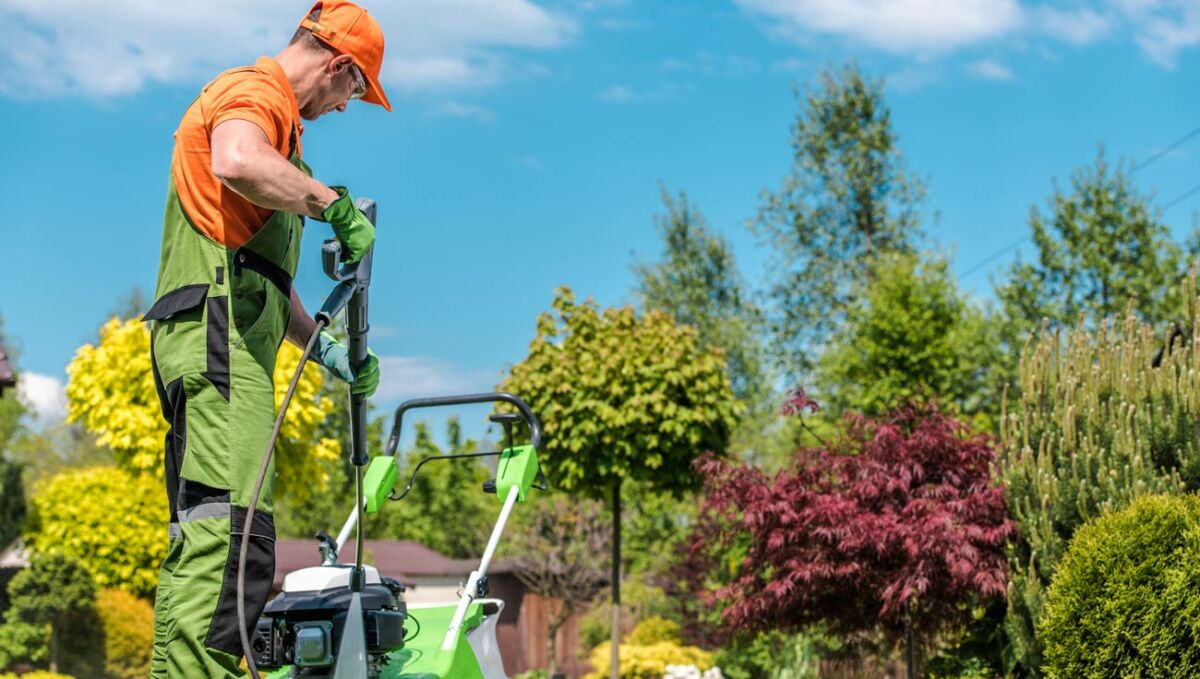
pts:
pixel 1125 599
pixel 128 633
pixel 22 643
pixel 36 674
pixel 647 651
pixel 110 520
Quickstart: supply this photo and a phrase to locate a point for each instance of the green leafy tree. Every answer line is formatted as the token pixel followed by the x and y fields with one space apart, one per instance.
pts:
pixel 623 396
pixel 847 198
pixel 910 333
pixel 1105 415
pixel 52 591
pixel 1100 243
pixel 697 282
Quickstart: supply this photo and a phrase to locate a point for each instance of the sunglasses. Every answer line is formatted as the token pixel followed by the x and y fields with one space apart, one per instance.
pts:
pixel 360 83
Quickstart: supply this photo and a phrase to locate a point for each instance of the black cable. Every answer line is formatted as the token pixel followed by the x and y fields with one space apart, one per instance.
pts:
pixel 414 634
pixel 1170 147
pixel 258 484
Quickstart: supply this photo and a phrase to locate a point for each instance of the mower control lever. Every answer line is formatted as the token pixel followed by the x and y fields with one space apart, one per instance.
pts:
pixel 489 486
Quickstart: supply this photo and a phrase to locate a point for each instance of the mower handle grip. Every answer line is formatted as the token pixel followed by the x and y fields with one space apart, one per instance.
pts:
pixel 535 427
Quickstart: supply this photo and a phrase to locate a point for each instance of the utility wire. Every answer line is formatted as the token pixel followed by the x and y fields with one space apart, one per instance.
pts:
pixel 1170 147
pixel 1158 155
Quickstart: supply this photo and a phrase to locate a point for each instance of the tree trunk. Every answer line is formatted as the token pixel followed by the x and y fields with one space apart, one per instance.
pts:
pixel 54 647
pixel 553 624
pixel 616 580
pixel 910 652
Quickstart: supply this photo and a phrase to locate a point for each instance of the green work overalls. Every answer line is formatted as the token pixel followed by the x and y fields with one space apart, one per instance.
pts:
pixel 218 319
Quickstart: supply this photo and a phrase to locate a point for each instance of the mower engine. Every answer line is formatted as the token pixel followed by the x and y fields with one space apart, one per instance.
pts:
pixel 302 626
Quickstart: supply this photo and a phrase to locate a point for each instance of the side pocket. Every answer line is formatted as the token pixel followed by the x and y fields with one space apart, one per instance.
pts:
pixel 176 302
pixel 260 572
pixel 217 344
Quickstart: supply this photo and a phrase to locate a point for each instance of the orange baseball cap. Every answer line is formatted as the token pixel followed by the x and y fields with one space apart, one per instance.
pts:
pixel 348 28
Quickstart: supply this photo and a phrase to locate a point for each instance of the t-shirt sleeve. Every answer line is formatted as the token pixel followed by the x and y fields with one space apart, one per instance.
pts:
pixel 257 99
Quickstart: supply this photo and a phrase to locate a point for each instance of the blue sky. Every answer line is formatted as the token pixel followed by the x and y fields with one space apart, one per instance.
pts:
pixel 529 140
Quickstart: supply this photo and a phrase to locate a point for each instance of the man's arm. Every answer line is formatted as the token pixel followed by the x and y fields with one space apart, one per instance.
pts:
pixel 301 325
pixel 244 160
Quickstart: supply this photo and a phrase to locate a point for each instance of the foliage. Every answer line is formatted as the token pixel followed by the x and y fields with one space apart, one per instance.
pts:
pixel 557 556
pixel 774 655
pixel 622 397
pixel 12 501
pixel 52 591
pixel 1123 602
pixel 36 674
pixel 1099 244
pixel 112 521
pixel 128 633
pixel 649 661
pixel 446 510
pixel 1105 415
pixel 21 642
pixel 910 333
pixel 652 630
pixel 110 390
pixel 846 199
pixel 697 283
pixel 891 531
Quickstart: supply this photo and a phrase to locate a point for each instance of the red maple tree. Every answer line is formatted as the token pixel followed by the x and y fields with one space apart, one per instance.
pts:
pixel 892 531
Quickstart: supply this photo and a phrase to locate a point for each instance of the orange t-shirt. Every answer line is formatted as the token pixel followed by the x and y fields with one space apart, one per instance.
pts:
pixel 260 94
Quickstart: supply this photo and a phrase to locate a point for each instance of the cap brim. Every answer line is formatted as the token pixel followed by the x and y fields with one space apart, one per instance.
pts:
pixel 375 93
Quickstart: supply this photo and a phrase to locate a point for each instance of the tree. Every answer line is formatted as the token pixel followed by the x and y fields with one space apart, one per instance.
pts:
pixel 893 531
pixel 847 198
pixel 110 391
pixel 556 559
pixel 12 494
pixel 107 519
pixel 910 333
pixel 1105 414
pixel 443 488
pixel 622 396
pixel 51 591
pixel 697 283
pixel 1099 245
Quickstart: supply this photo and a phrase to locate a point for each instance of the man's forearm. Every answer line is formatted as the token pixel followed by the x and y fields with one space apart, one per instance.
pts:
pixel 301 325
pixel 267 180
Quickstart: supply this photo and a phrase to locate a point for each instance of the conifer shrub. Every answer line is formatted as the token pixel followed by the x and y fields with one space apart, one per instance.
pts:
pixel 1125 598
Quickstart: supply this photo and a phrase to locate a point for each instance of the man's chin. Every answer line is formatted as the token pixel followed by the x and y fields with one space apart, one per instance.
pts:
pixel 310 115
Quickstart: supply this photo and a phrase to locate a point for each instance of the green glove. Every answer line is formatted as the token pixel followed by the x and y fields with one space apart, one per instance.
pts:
pixel 335 356
pixel 352 227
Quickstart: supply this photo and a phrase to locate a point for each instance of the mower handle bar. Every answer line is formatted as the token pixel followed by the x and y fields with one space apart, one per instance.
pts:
pixel 535 428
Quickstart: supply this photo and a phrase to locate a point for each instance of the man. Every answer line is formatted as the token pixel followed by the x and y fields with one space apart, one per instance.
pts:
pixel 236 200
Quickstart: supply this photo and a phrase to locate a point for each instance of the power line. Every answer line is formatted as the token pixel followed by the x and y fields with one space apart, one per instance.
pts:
pixel 1181 197
pixel 1155 157
pixel 994 255
pixel 1170 147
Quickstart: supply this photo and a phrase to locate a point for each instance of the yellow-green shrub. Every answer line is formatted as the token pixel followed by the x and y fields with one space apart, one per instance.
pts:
pixel 647 662
pixel 128 633
pixel 653 630
pixel 37 674
pixel 111 521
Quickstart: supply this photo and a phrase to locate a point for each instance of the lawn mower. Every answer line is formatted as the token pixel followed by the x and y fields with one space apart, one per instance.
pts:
pixel 343 620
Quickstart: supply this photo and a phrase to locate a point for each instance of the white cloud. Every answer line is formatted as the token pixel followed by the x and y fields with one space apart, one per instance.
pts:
pixel 45 396
pixel 1075 27
pixel 922 29
pixel 897 26
pixel 404 377
pixel 616 93
pixel 990 69
pixel 62 47
pixel 457 109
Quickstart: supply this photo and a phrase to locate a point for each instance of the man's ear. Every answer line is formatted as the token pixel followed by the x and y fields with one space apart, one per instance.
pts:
pixel 339 64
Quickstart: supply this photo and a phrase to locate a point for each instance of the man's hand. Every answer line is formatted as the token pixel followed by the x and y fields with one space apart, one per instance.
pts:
pixel 335 357
pixel 352 227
